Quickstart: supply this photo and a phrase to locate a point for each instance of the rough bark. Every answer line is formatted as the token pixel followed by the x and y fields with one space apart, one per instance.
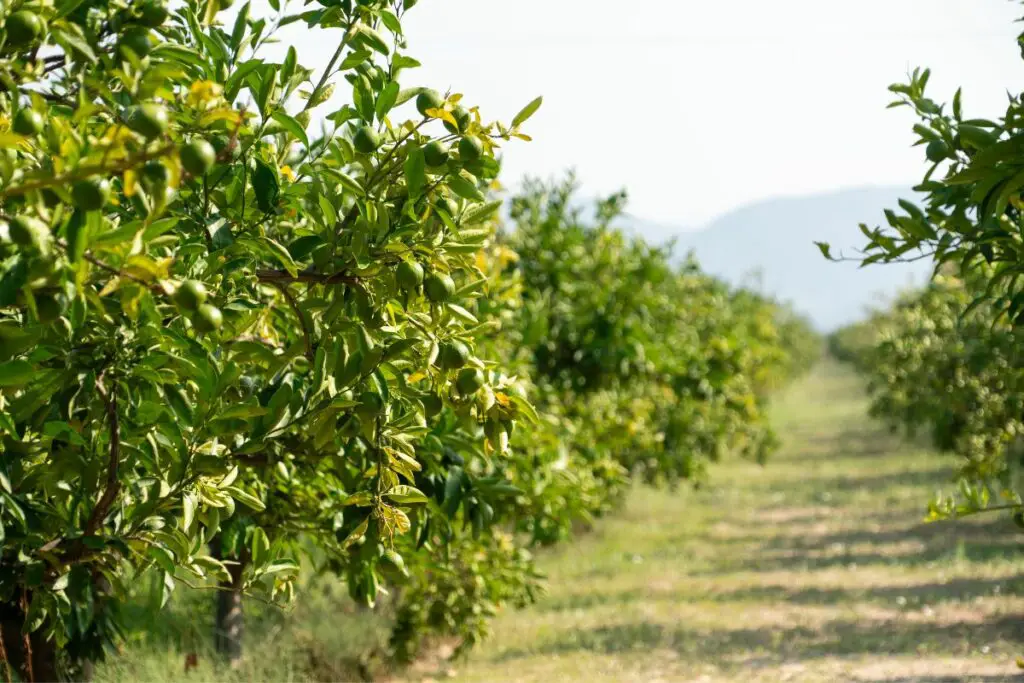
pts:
pixel 229 623
pixel 32 657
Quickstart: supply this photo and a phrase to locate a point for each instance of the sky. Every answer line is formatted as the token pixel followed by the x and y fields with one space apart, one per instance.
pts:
pixel 697 107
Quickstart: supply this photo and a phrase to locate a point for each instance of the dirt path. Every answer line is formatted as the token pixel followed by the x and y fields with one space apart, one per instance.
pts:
pixel 815 568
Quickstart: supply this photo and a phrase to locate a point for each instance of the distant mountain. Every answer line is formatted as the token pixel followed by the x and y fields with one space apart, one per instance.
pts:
pixel 770 244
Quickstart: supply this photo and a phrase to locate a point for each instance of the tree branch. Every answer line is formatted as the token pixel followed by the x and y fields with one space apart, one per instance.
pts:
pixel 276 276
pixel 85 171
pixel 113 485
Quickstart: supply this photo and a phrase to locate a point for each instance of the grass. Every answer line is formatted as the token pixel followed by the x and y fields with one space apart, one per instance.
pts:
pixel 816 567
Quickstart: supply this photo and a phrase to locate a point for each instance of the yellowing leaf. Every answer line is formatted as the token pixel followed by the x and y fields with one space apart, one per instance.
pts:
pixel 111 286
pixel 222 114
pixel 130 182
pixel 443 115
pixel 203 92
pixel 522 136
pixel 11 140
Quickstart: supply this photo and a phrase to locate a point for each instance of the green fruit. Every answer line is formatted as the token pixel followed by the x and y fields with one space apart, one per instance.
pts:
pixel 190 295
pixel 371 403
pixel 366 140
pixel 148 120
pixel 462 117
pixel 470 149
pixel 409 275
pixel 137 40
pixel 198 157
pixel 48 308
pixel 153 13
pixel 207 319
pixel 432 404
pixel 91 194
pixel 439 287
pixel 937 151
pixel 155 175
pixel 435 153
pixel 453 355
pixel 27 122
pixel 30 232
pixel 469 381
pixel 23 28
pixel 428 99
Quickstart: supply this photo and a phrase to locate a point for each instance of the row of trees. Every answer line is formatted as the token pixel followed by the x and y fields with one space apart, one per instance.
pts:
pixel 230 339
pixel 947 360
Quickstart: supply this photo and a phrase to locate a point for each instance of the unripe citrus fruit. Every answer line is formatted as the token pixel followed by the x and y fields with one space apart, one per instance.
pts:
pixel 439 287
pixel 428 99
pixel 937 151
pixel 432 404
pixel 435 153
pixel 91 194
pixel 155 175
pixel 27 122
pixel 366 140
pixel 190 295
pixel 153 13
pixel 30 232
pixel 470 149
pixel 207 318
pixel 462 118
pixel 409 275
pixel 198 156
pixel 148 120
pixel 137 40
pixel 23 28
pixel 469 381
pixel 48 308
pixel 453 355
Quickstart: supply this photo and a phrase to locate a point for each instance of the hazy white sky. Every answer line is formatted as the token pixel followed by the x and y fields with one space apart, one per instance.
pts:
pixel 699 106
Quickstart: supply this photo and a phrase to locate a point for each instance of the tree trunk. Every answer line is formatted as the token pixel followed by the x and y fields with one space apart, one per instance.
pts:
pixel 32 658
pixel 229 625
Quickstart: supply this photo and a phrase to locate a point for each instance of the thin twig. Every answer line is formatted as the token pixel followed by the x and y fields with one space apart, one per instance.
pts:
pixel 283 288
pixel 330 65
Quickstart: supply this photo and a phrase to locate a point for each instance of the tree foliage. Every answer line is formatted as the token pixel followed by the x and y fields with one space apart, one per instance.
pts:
pixel 946 359
pixel 231 339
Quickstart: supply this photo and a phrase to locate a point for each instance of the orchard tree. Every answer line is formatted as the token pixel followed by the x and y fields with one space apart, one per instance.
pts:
pixel 218 322
pixel 957 340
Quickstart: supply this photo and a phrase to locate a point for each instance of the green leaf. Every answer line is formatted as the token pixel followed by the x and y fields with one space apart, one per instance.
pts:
pixel 386 100
pixel 360 499
pixel 246 498
pixel 371 38
pixel 415 172
pixel 16 373
pixel 406 495
pixel 480 214
pixel 527 112
pixel 465 189
pixel 265 185
pixel 290 124
pixel 260 547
